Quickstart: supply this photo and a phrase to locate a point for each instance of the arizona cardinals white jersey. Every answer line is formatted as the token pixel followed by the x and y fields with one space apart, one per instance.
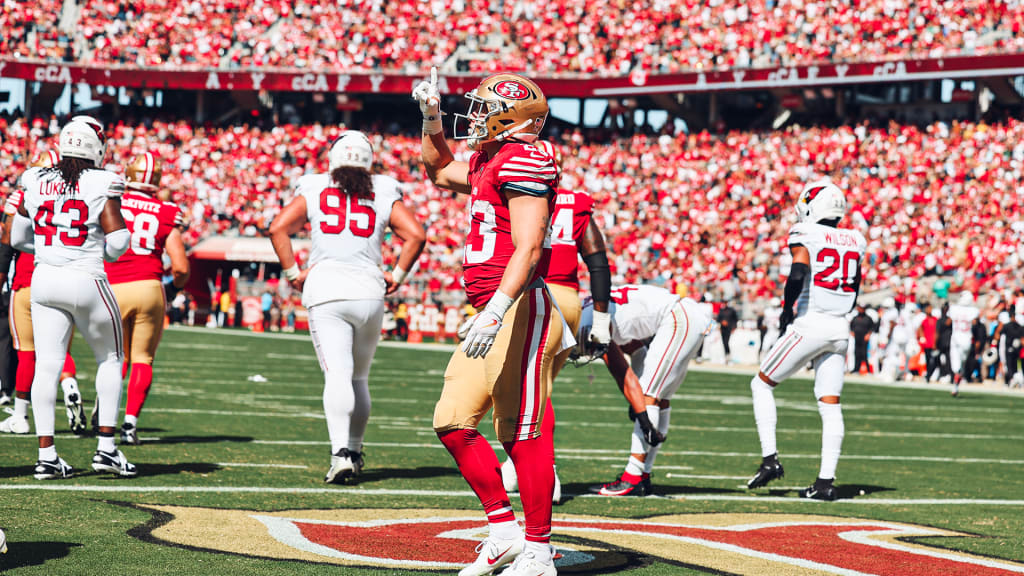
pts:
pixel 835 261
pixel 963 317
pixel 638 311
pixel 67 223
pixel 345 261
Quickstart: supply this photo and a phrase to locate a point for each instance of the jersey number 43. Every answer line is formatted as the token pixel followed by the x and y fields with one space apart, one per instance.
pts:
pixel 73 232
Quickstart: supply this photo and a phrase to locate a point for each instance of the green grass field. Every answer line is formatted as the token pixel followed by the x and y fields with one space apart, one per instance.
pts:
pixel 223 457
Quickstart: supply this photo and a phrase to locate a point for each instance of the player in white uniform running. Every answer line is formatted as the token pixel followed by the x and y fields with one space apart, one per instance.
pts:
pixel 824 283
pixel 674 328
pixel 343 287
pixel 963 314
pixel 76 211
pixel 896 321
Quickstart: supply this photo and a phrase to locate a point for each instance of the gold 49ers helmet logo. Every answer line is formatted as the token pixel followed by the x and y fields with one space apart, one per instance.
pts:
pixel 445 539
pixel 512 90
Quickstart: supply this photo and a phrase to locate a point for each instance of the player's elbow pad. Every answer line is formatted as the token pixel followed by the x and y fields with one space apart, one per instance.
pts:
pixel 116 244
pixel 600 276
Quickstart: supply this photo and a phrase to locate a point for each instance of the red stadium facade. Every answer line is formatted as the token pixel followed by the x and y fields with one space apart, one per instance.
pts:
pixel 568 86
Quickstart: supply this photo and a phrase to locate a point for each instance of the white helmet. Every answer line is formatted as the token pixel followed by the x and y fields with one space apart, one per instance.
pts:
pixel 820 200
pixel 775 302
pixel 83 137
pixel 966 298
pixel 352 149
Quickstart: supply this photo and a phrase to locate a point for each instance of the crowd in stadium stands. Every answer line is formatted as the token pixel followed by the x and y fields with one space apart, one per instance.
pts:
pixel 697 211
pixel 550 37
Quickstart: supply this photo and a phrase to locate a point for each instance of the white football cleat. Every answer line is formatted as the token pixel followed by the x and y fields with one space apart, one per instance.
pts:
pixel 15 424
pixel 113 462
pixel 494 553
pixel 73 406
pixel 526 564
pixel 3 542
pixel 343 467
pixel 509 479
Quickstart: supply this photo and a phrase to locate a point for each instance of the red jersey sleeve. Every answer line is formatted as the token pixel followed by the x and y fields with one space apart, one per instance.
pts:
pixel 526 169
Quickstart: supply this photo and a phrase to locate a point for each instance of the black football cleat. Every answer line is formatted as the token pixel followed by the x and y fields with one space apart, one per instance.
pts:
pixel 820 490
pixel 620 487
pixel 769 470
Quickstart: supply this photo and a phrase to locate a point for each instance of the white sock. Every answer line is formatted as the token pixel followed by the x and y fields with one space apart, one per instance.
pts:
pixel 764 414
pixel 49 454
pixel 634 466
pixel 108 392
pixel 133 420
pixel 106 444
pixel 505 530
pixel 664 417
pixel 21 407
pixel 832 431
pixel 540 551
pixel 338 404
pixel 360 415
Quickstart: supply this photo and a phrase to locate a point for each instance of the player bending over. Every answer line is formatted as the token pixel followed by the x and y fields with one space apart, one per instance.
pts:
pixel 823 283
pixel 76 209
pixel 509 347
pixel 155 228
pixel 675 328
pixel 348 210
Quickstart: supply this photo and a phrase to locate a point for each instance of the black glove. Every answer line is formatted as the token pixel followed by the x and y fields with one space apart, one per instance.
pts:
pixel 786 318
pixel 651 434
pixel 632 415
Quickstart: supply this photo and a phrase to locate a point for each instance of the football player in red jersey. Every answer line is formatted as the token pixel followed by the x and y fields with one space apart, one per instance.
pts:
pixel 509 347
pixel 20 317
pixel 573 232
pixel 135 278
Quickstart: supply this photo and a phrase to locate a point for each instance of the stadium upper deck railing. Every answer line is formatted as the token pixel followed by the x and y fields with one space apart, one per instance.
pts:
pixel 568 86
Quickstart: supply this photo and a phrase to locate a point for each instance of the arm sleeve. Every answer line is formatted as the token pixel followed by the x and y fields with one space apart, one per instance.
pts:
pixel 600 276
pixel 23 234
pixel 116 244
pixel 795 283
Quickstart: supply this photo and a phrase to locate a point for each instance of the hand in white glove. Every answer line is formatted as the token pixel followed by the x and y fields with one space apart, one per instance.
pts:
pixel 429 99
pixel 601 330
pixel 481 333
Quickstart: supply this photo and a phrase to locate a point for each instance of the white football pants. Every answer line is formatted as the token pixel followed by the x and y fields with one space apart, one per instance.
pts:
pixel 675 343
pixel 61 298
pixel 802 344
pixel 345 335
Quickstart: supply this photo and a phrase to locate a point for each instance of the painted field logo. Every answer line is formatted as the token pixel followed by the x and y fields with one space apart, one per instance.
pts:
pixel 445 539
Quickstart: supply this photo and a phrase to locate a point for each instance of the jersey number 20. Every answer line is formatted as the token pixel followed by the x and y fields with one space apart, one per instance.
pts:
pixel 346 211
pixel 840 271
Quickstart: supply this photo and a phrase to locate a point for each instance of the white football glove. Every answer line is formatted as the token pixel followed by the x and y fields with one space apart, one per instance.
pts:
pixel 429 99
pixel 601 330
pixel 481 330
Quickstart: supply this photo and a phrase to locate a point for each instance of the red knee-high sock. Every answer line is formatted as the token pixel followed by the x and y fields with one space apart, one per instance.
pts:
pixel 533 460
pixel 69 366
pixel 124 369
pixel 26 371
pixel 138 388
pixel 479 466
pixel 547 429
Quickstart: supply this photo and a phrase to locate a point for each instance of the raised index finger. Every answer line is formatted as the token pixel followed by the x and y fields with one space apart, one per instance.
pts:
pixel 433 77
